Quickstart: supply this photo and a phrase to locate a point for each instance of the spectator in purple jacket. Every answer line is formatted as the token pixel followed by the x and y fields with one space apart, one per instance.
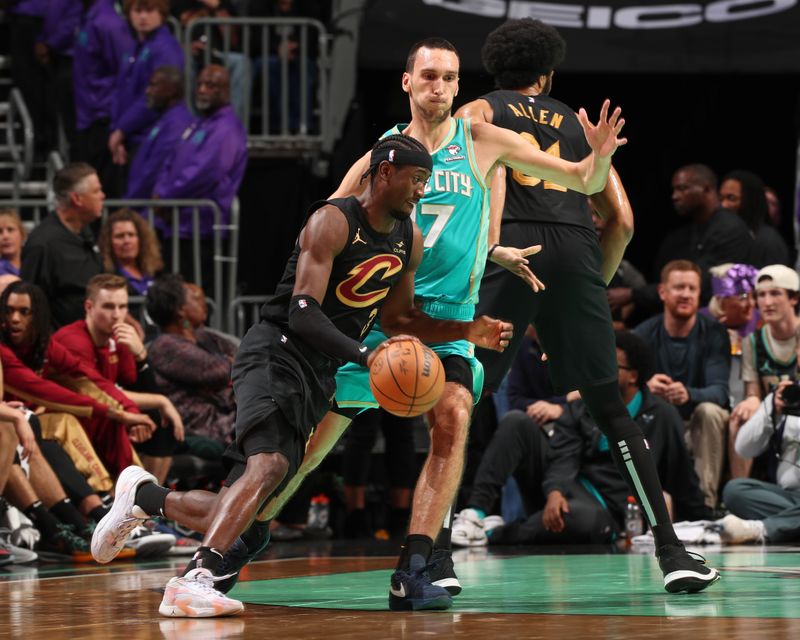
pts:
pixel 54 49
pixel 208 162
pixel 154 47
pixel 103 37
pixel 165 96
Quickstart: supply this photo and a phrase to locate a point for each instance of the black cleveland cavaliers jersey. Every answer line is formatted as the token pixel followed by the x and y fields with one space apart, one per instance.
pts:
pixel 554 128
pixel 361 276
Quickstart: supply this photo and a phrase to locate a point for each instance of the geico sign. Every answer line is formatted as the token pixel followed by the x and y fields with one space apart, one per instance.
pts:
pixel 662 16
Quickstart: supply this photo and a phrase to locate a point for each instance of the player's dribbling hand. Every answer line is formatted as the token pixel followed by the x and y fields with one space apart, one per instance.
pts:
pixel 386 343
pixel 515 261
pixel 603 137
pixel 490 333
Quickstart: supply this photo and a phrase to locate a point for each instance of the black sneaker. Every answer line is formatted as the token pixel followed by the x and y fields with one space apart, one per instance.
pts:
pixel 234 561
pixel 684 571
pixel 64 545
pixel 442 572
pixel 412 590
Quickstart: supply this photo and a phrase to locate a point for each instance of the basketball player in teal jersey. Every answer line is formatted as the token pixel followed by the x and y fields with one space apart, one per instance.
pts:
pixel 572 316
pixel 454 218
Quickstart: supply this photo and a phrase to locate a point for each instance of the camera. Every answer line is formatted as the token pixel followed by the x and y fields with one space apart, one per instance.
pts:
pixel 791 399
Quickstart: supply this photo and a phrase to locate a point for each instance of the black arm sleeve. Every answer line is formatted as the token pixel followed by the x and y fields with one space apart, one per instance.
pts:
pixel 308 322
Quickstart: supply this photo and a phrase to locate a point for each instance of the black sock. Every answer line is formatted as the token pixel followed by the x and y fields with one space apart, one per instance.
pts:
pixel 150 498
pixel 98 513
pixel 631 456
pixel 68 514
pixel 205 558
pixel 255 536
pixel 415 544
pixel 42 519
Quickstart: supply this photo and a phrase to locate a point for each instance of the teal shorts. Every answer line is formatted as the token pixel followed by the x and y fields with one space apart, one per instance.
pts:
pixel 352 380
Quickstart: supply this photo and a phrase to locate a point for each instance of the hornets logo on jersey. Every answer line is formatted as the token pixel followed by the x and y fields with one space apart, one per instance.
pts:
pixel 453 216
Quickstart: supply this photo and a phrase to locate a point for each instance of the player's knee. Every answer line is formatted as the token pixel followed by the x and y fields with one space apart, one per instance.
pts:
pixel 266 469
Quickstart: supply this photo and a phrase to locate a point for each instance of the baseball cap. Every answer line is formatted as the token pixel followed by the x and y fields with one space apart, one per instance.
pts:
pixel 779 275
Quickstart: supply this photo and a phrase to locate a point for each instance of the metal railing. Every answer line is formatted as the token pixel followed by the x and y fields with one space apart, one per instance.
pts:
pixel 243 312
pixel 21 151
pixel 297 98
pixel 225 238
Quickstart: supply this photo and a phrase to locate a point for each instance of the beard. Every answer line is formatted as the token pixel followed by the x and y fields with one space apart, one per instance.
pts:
pixel 399 214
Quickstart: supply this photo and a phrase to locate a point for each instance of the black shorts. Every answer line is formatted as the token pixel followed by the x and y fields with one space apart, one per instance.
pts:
pixel 572 316
pixel 272 368
pixel 273 435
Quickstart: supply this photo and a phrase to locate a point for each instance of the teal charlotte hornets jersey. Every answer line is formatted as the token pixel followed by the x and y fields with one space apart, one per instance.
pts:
pixel 453 216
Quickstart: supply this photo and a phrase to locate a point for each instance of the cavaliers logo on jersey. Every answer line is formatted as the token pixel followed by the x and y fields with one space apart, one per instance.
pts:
pixel 351 291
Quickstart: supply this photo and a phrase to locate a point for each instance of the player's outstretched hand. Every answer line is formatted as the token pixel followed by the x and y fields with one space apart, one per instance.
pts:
pixel 603 137
pixel 386 343
pixel 515 261
pixel 490 333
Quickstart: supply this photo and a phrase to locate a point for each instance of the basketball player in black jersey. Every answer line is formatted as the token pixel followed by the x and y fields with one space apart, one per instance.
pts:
pixel 572 315
pixel 354 257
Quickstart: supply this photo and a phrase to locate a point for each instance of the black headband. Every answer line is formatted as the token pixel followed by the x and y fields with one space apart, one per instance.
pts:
pixel 400 157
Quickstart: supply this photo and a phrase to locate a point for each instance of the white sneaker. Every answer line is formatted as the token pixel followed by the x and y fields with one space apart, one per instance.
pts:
pixel 735 530
pixel 112 531
pixel 492 522
pixel 468 530
pixel 149 544
pixel 194 596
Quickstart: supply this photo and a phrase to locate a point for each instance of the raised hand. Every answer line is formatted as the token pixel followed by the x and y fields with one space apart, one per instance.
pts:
pixel 603 137
pixel 515 261
pixel 490 333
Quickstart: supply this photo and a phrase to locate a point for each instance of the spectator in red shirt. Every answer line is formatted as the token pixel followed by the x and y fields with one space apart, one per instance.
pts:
pixel 42 373
pixel 112 349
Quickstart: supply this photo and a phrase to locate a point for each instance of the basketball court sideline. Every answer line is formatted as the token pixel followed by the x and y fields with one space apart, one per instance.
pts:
pixel 338 589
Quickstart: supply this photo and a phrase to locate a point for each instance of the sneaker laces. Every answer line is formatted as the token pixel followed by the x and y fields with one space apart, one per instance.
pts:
pixel 205 582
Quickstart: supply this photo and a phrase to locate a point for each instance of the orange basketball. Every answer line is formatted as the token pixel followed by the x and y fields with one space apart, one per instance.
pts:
pixel 407 378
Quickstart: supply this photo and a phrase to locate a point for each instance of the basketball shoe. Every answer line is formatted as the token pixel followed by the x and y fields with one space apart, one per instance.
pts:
pixel 111 532
pixel 684 571
pixel 234 561
pixel 412 590
pixel 442 572
pixel 194 596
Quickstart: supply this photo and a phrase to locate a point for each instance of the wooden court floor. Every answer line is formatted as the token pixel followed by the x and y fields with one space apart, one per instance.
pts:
pixel 339 590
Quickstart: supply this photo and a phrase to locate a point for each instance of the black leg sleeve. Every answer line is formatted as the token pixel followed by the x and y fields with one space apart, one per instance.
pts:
pixel 631 455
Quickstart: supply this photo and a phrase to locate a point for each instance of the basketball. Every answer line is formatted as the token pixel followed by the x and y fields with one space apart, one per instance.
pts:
pixel 407 378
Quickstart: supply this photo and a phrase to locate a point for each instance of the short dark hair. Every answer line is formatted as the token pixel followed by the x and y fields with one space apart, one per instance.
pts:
pixel 394 141
pixel 162 6
pixel 164 297
pixel 40 321
pixel 519 52
pixel 702 174
pixel 66 180
pixel 638 354
pixel 174 78
pixel 428 43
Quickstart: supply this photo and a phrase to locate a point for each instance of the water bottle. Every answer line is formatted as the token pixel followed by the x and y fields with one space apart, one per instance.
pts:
pixel 633 519
pixel 319 512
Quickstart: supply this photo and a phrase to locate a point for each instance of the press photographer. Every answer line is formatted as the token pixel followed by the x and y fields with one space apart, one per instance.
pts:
pixel 768 511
